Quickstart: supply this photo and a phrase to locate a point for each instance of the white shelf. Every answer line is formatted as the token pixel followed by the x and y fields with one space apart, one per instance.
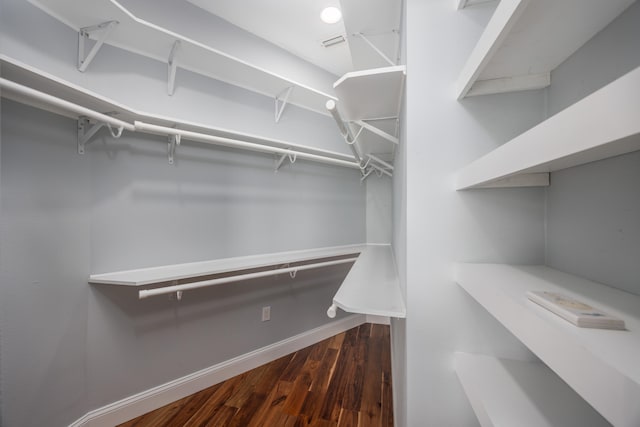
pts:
pixel 525 40
pixel 372 285
pixel 525 394
pixel 32 77
pixel 371 94
pixel 145 38
pixel 168 273
pixel 602 125
pixel 600 365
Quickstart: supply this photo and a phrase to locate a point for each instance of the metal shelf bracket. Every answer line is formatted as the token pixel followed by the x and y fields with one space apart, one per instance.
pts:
pixel 86 131
pixel 172 65
pixel 174 141
pixel 375 48
pixel 84 59
pixel 377 131
pixel 292 159
pixel 281 102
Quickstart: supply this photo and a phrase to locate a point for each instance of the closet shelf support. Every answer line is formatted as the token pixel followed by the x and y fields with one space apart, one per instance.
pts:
pixel 281 102
pixel 172 65
pixel 103 30
pixel 174 141
pixel 86 131
pixel 364 125
pixel 375 48
pixel 345 131
pixel 291 156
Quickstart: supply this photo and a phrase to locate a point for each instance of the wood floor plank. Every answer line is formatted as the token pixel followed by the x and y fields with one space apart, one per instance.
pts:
pixel 342 381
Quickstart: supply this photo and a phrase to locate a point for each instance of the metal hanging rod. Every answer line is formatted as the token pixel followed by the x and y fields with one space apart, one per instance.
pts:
pixel 228 142
pixel 344 129
pixel 145 293
pixel 65 105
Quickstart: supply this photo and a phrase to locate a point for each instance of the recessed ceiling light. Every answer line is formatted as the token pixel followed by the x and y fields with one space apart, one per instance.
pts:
pixel 331 15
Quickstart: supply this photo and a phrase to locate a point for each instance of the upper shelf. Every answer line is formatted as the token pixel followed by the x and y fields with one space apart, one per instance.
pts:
pixel 26 75
pixel 371 94
pixel 168 273
pixel 600 365
pixel 526 40
pixel 506 392
pixel 602 125
pixel 142 37
pixel 372 285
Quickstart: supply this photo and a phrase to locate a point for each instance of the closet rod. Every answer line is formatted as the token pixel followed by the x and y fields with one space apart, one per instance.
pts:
pixel 65 105
pixel 145 293
pixel 218 140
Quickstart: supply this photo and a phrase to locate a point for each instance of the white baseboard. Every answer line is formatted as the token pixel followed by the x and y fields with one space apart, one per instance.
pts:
pixel 141 403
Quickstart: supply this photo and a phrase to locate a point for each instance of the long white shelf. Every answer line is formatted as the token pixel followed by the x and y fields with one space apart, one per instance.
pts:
pixel 525 40
pixel 32 77
pixel 372 285
pixel 139 36
pixel 600 365
pixel 506 392
pixel 602 125
pixel 169 273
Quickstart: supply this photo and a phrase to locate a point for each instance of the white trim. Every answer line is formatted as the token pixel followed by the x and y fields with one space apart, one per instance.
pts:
pixel 378 320
pixel 154 398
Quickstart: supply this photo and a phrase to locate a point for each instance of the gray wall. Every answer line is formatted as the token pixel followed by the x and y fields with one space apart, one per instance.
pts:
pixel 593 210
pixel 68 347
pixel 444 226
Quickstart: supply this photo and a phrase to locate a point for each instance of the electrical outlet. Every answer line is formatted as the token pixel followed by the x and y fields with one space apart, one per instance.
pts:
pixel 266 313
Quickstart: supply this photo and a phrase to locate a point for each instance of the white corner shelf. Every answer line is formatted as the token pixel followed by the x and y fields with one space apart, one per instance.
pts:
pixel 371 94
pixel 600 365
pixel 169 273
pixel 32 77
pixel 602 125
pixel 372 285
pixel 139 36
pixel 505 392
pixel 371 100
pixel 525 40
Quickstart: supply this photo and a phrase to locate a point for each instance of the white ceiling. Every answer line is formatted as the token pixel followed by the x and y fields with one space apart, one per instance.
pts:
pixel 295 26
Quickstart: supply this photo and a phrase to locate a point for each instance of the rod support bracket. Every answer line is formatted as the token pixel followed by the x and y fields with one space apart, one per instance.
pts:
pixel 172 66
pixel 174 141
pixel 281 101
pixel 102 31
pixel 86 131
pixel 280 160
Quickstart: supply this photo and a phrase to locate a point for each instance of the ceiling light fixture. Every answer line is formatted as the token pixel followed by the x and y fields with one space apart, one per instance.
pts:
pixel 331 15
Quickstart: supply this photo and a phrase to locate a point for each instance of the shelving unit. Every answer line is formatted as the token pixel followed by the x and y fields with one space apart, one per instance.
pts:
pixel 372 285
pixel 506 392
pixel 602 125
pixel 524 41
pixel 31 77
pixel 176 272
pixel 600 365
pixel 142 37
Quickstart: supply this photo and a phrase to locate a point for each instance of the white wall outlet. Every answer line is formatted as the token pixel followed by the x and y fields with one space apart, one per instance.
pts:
pixel 266 313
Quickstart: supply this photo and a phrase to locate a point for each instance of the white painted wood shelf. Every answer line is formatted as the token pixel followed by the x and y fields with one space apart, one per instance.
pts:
pixel 372 285
pixel 169 273
pixel 525 40
pixel 506 392
pixel 600 365
pixel 372 99
pixel 32 77
pixel 139 36
pixel 602 125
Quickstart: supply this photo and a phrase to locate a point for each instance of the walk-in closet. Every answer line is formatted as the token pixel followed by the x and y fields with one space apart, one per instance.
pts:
pixel 321 212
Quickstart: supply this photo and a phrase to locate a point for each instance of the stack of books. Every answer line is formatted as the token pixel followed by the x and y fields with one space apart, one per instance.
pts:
pixel 576 312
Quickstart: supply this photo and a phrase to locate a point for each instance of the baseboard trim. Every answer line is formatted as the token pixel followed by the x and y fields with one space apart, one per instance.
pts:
pixel 154 398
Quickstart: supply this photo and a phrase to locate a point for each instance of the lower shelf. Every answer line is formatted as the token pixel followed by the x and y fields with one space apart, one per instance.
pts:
pixel 372 285
pixel 525 394
pixel 600 365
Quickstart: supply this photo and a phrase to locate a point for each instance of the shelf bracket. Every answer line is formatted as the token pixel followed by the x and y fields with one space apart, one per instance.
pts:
pixel 292 159
pixel 172 66
pixel 377 131
pixel 86 131
pixel 281 102
pixel 375 48
pixel 84 59
pixel 174 141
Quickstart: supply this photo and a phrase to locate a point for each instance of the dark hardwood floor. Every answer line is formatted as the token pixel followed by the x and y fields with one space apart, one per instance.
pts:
pixel 342 381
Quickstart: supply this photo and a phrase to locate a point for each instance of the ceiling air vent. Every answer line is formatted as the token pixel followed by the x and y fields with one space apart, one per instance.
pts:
pixel 332 41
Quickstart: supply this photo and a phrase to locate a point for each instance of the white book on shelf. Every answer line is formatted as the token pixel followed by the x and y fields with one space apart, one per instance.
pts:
pixel 575 311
